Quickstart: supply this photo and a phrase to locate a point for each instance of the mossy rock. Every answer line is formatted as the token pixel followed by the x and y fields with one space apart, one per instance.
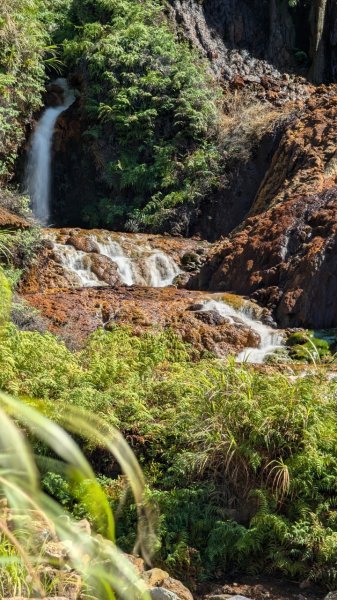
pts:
pixel 304 346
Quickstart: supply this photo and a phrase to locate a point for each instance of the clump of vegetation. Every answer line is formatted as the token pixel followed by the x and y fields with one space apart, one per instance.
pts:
pixel 306 346
pixel 22 42
pixel 246 120
pixel 30 519
pixel 152 111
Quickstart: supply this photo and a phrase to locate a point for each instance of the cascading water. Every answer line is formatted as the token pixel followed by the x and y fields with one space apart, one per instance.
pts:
pixel 162 270
pixel 270 339
pixel 137 263
pixel 39 162
pixel 125 268
pixel 78 265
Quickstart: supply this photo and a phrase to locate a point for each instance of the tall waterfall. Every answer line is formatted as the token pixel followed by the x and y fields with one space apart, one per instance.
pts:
pixel 39 162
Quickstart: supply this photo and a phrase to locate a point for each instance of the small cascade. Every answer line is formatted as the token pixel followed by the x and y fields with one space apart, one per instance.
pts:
pixel 270 339
pixel 78 265
pixel 125 268
pixel 137 261
pixel 39 161
pixel 161 270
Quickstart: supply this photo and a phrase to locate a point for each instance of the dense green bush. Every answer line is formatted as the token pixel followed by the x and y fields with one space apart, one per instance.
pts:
pixel 242 464
pixel 152 111
pixel 22 43
pixel 26 52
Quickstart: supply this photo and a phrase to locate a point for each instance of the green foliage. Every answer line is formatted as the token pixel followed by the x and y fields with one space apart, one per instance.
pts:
pixel 22 40
pixel 26 52
pixel 152 111
pixel 5 299
pixel 242 464
pixel 305 346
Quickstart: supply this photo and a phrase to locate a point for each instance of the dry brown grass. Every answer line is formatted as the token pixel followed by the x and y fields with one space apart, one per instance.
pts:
pixel 246 120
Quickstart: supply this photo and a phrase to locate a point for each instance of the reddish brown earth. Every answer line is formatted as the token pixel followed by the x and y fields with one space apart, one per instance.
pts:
pixel 10 220
pixel 284 254
pixel 74 314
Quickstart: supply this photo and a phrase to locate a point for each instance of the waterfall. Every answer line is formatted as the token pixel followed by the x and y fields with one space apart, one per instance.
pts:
pixel 39 161
pixel 78 265
pixel 114 251
pixel 162 270
pixel 137 262
pixel 270 339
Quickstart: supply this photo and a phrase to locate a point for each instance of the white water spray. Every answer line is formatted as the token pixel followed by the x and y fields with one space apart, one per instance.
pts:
pixel 270 339
pixel 125 268
pixel 137 264
pixel 78 265
pixel 39 162
pixel 162 270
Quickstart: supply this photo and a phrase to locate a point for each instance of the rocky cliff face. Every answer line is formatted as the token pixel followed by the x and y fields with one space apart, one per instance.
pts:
pixel 254 38
pixel 284 253
pixel 228 31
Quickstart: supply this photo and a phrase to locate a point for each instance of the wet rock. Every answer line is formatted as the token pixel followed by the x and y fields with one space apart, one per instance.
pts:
pixel 82 242
pixel 140 259
pixel 196 307
pixel 181 280
pixel 211 317
pixel 191 261
pixel 75 313
pixel 105 270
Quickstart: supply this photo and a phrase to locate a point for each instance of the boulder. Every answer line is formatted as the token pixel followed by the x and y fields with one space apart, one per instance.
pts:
pixel 159 593
pixel 82 242
pixel 155 577
pixel 178 588
pixel 161 579
pixel 105 269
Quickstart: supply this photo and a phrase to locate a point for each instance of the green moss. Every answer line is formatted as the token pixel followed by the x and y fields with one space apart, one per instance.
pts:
pixel 305 346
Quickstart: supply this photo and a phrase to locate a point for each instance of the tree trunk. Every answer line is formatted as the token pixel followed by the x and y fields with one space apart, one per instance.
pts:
pixel 318 40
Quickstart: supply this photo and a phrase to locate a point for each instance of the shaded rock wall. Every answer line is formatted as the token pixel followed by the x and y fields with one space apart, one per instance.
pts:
pixel 269 31
pixel 262 28
pixel 224 211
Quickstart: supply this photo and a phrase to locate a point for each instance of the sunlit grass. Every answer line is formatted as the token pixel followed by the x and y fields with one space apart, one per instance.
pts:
pixel 103 568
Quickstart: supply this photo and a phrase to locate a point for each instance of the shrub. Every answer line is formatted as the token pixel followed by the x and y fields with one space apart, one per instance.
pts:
pixel 152 111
